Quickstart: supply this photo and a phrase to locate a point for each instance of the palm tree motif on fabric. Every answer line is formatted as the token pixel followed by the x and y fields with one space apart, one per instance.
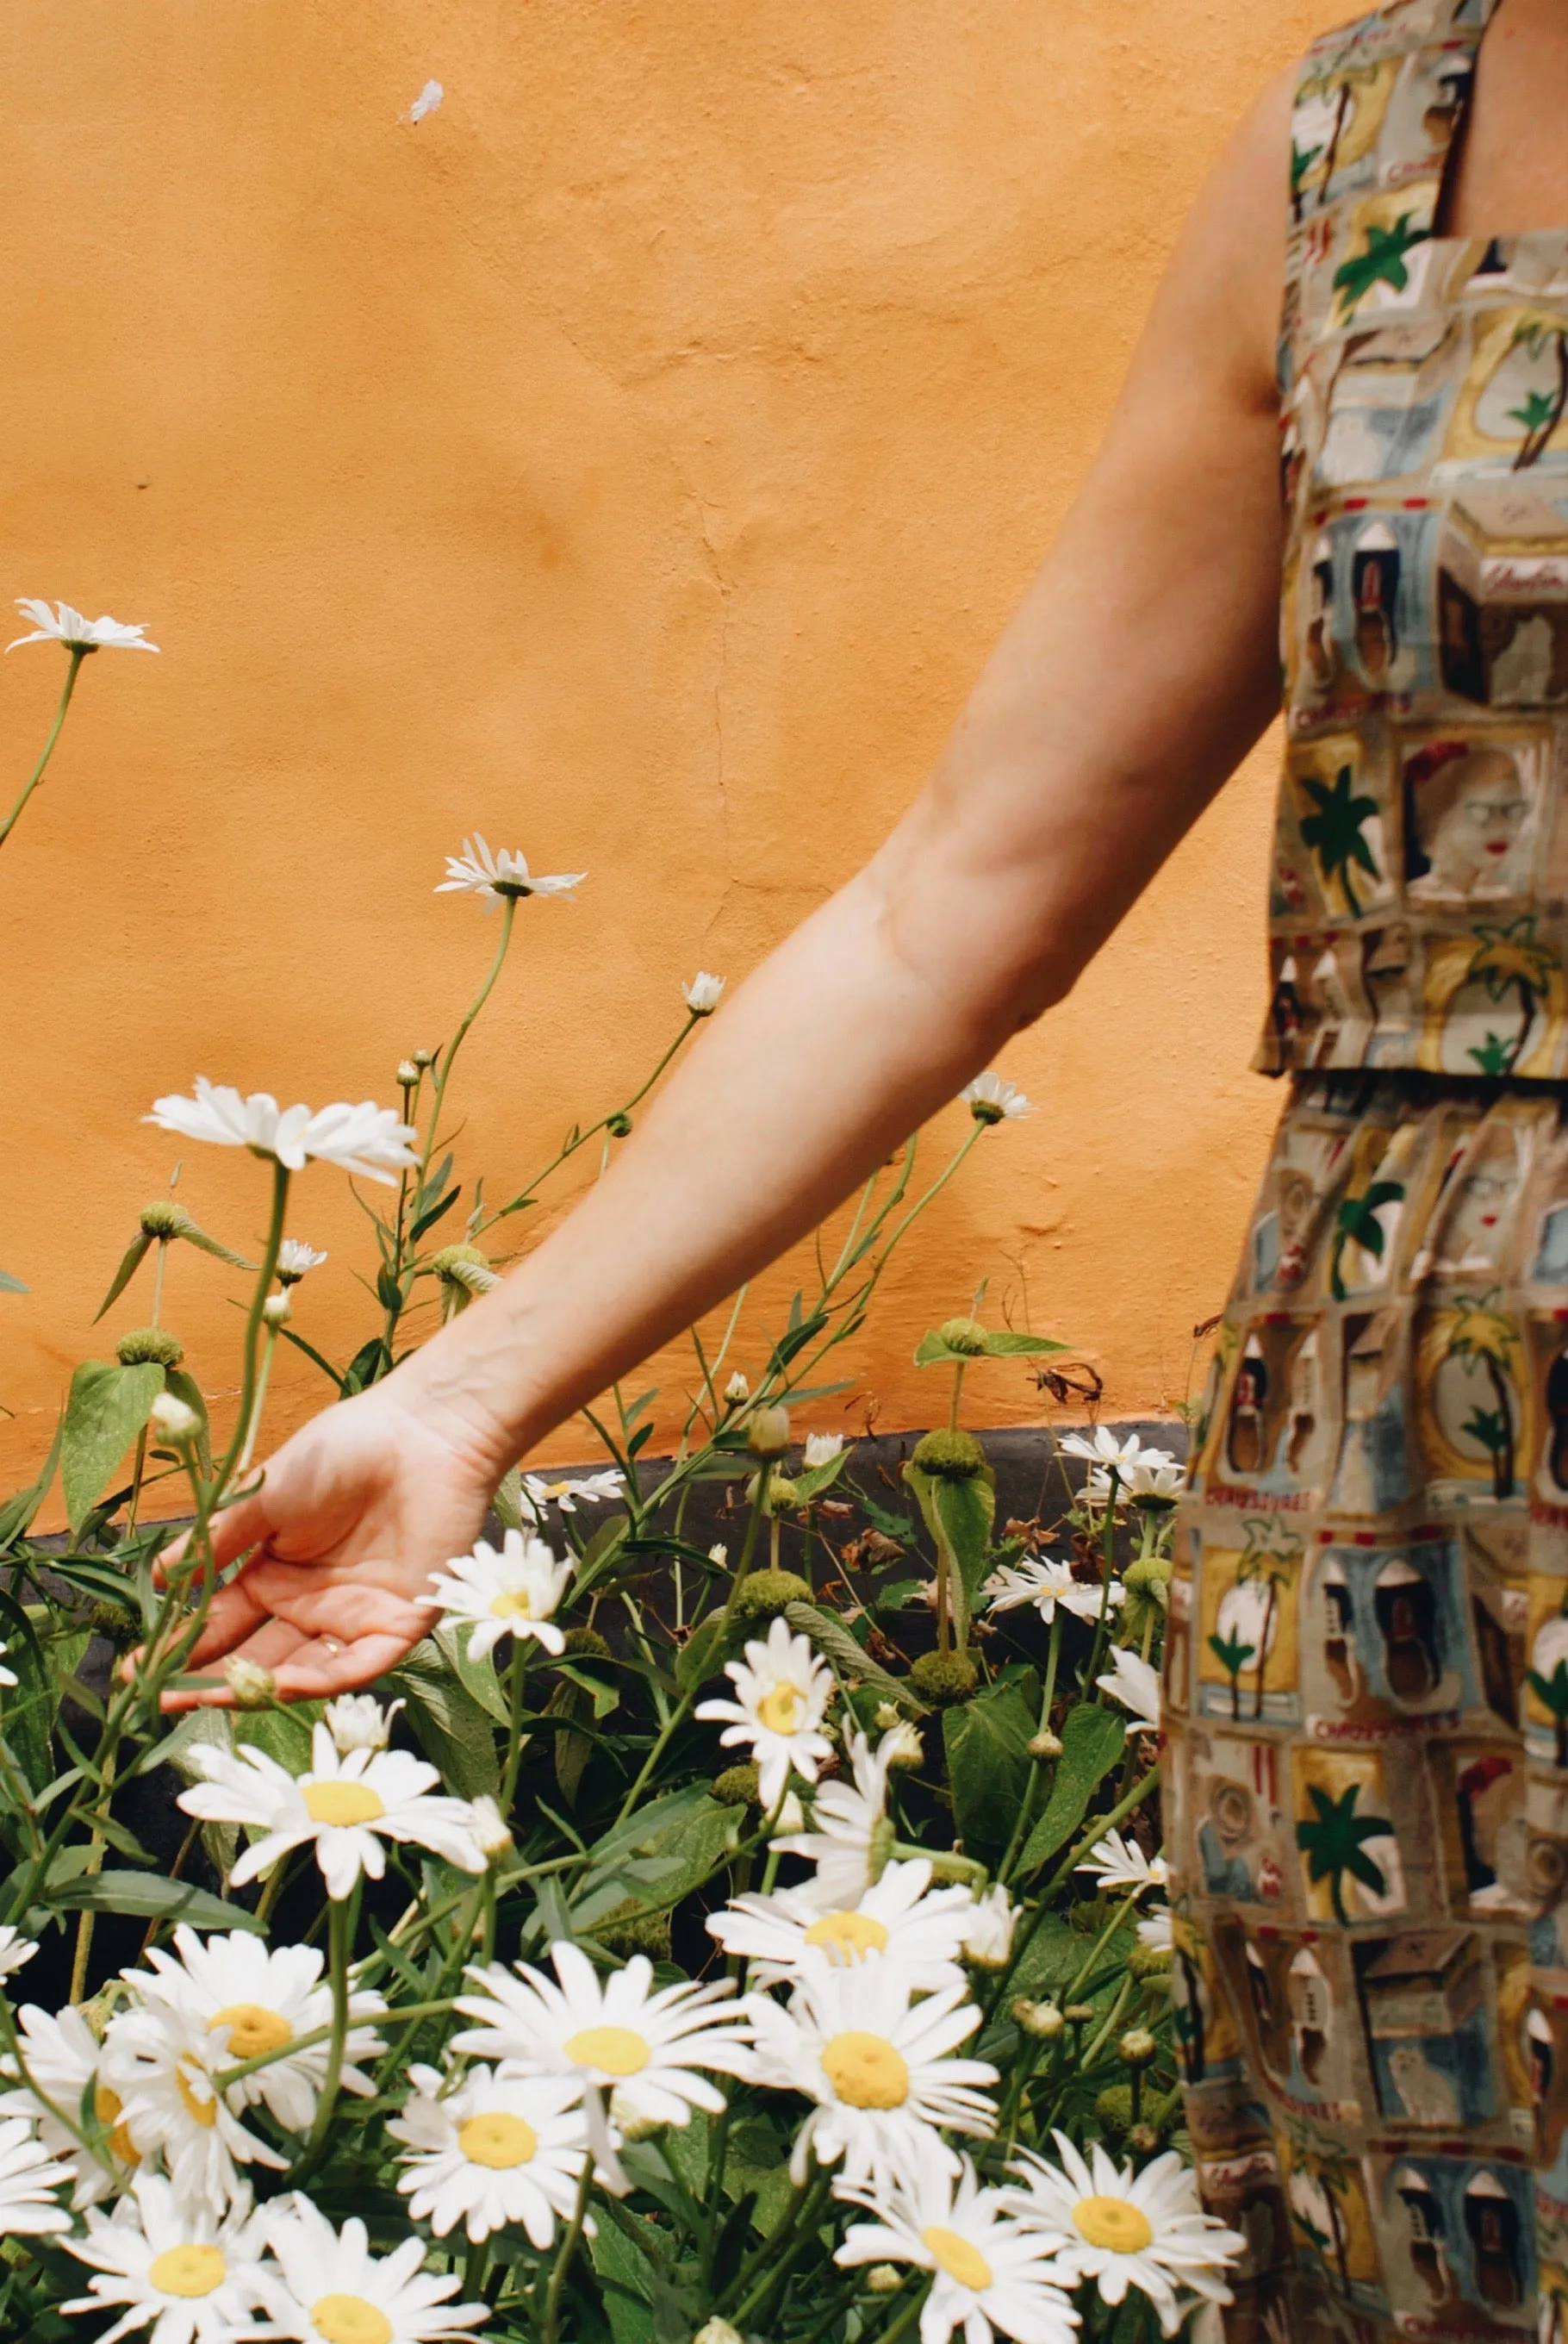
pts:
pixel 1267 1565
pixel 1484 1340
pixel 1548 1677
pixel 1333 1843
pixel 1233 1653
pixel 1330 2169
pixel 1509 959
pixel 1358 1225
pixel 1334 831
pixel 1542 410
pixel 1382 262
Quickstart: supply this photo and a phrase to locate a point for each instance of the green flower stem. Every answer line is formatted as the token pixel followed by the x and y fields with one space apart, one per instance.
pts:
pixel 764 2268
pixel 1096 1830
pixel 68 2118
pixel 909 2312
pixel 525 1196
pixel 94 1863
pixel 1119 1913
pixel 959 1365
pixel 264 1377
pixel 342 1914
pixel 516 1677
pixel 253 1326
pixel 449 1055
pixel 77 652
pixel 552 2329
pixel 1107 1566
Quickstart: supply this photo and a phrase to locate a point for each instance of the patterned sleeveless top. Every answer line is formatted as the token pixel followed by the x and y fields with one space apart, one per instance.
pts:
pixel 1419 896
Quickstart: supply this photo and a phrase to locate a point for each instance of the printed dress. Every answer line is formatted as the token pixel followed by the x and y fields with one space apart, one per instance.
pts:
pixel 1367 1659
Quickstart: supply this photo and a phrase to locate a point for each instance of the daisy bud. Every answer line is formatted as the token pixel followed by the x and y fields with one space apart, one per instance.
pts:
pixel 951 1454
pixel 886 1717
pixel 163 1220
pixel 1143 2140
pixel 357 1720
pixel 618 1126
pixel 884 2279
pixel 736 1390
pixel 296 1259
pixel 1045 1744
pixel 253 1687
pixel 1137 2047
pixel 1042 2019
pixel 988 1942
pixel 718 1552
pixel 792 1815
pixel 764 1593
pixel 149 1345
pixel 408 1072
pixel 901 1744
pixel 739 1786
pixel 1079 2013
pixel 768 1434
pixel 423 1058
pixel 717 2332
pixel 944 1678
pixel 488 1825
pixel 172 1419
pixel 701 996
pixel 278 1310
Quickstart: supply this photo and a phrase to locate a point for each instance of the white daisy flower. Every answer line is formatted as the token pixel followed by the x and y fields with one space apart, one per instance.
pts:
pixel 175 2268
pixel 509 1593
pixel 346 1805
pixel 991 2274
pixel 334 2290
pixel 1151 1476
pixel 782 1692
pixel 252 1998
pixel 702 995
pixel 63 625
pixel 579 1490
pixel 491 877
pixel 646 2047
pixel 500 2150
pixel 491 1830
pixel 296 1260
pixel 62 2055
pixel 161 2073
pixel 990 1100
pixel 367 1139
pixel 822 1448
pixel 1104 1451
pixel 878 2064
pixel 7 1676
pixel 1136 1685
pixel 28 2180
pixel 1121 1864
pixel 14 1948
pixel 1123 2228
pixel 902 1913
pixel 1046 1583
pixel 1156 1932
pixel 844 1817
pixel 988 1940
pixel 357 1720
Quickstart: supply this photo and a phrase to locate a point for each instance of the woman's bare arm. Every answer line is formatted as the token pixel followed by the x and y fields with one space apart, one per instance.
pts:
pixel 1140 667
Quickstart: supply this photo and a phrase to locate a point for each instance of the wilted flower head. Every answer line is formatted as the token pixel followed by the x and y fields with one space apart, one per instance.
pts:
pixel 253 1687
pixel 63 625
pixel 368 1139
pixel 296 1260
pixel 493 877
pixel 990 1100
pixel 701 996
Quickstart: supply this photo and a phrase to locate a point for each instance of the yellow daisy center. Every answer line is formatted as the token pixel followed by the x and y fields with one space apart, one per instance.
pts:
pixel 204 2112
pixel 1113 2223
pixel 866 2071
pixel 497 2140
pixel 956 2257
pixel 849 1934
pixel 187 2270
pixel 253 2030
pixel 512 1603
pixel 349 2319
pixel 779 1711
pixel 341 1801
pixel 614 2050
pixel 557 1489
pixel 107 2107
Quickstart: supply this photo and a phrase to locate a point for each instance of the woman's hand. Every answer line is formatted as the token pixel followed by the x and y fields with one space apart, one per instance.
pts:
pixel 351 1517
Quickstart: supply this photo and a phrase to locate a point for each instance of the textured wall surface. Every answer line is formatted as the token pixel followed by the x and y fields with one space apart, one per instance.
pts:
pixel 635 459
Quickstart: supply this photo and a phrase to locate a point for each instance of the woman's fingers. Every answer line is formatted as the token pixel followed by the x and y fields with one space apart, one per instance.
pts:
pixel 323 1666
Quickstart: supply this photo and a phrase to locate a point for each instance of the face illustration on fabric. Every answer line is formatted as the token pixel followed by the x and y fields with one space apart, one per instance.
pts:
pixel 1469 813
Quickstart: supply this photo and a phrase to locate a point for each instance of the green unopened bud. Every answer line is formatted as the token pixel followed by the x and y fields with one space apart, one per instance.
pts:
pixel 1079 2013
pixel 408 1072
pixel 768 1434
pixel 739 1786
pixel 278 1310
pixel 618 1126
pixel 944 1678
pixel 171 1420
pixel 783 1494
pixel 1114 2111
pixel 1147 1963
pixel 253 1687
pixel 1149 1575
pixel 423 1058
pixel 587 1643
pixel 164 1219
pixel 1042 2019
pixel 149 1346
pixel 965 1335
pixel 762 1594
pixel 886 1717
pixel 1045 1744
pixel 633 1931
pixel 951 1456
pixel 884 2279
pixel 1138 2047
pixel 736 1390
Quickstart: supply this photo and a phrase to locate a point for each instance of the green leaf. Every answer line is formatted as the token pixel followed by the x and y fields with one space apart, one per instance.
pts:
pixel 626 2284
pixel 107 1406
pixel 429 1218
pixel 987 1744
pixel 1000 1343
pixel 1091 1743
pixel 147 1896
pixel 958 1515
pixel 698 1656
pixel 833 1639
pixel 131 1260
pixel 450 1725
pixel 16 1514
pixel 206 1244
pixel 478 1678
pixel 9 1285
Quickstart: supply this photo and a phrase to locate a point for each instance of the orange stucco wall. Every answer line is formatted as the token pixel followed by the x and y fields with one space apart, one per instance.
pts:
pixel 634 459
